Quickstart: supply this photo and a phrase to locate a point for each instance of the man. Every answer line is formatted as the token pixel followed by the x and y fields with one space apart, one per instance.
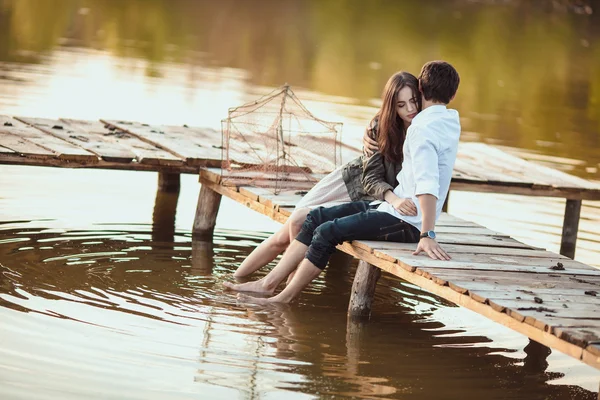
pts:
pixel 429 154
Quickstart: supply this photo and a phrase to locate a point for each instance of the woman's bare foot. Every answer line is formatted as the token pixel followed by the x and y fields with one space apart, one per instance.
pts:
pixel 258 286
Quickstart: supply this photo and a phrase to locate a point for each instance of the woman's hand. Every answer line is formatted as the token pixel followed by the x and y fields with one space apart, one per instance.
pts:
pixel 404 206
pixel 370 146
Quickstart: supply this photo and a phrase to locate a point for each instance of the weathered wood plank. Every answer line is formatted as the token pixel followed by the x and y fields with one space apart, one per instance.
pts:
pixel 197 146
pixel 434 266
pixel 566 296
pixel 62 149
pixel 10 143
pixel 465 239
pixel 245 200
pixel 470 166
pixel 469 185
pixel 93 142
pixel 145 153
pixel 392 251
pixel 516 166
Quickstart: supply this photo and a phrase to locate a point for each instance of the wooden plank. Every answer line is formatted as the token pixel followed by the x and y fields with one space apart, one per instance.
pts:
pixel 465 280
pixel 567 296
pixel 97 143
pixel 10 143
pixel 5 150
pixel 393 251
pixel 63 150
pixel 433 267
pixel 532 172
pixel 466 239
pixel 543 191
pixel 197 146
pixel 144 152
pixel 471 167
pixel 571 313
pixel 245 200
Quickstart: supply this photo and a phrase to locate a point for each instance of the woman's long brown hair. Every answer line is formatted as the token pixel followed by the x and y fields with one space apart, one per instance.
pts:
pixel 391 132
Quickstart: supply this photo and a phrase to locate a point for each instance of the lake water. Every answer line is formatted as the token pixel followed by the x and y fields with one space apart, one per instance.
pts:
pixel 100 300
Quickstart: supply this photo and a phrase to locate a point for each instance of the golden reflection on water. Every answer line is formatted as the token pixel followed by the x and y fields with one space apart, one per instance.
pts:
pixel 531 70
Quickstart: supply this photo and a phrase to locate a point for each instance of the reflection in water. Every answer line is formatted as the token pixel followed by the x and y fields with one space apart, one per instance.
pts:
pixel 155 322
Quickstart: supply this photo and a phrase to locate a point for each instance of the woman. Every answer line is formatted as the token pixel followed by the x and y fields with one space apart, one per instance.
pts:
pixel 366 178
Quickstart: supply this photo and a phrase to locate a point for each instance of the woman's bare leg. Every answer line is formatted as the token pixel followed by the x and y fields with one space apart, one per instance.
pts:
pixel 268 250
pixel 265 252
pixel 288 263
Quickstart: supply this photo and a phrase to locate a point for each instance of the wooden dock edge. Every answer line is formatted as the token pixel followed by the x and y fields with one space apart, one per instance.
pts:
pixel 589 355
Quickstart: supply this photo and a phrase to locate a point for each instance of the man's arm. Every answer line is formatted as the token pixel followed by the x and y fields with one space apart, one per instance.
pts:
pixel 427 182
pixel 430 246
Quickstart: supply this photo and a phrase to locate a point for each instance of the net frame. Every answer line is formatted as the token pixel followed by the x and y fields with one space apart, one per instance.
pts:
pixel 258 149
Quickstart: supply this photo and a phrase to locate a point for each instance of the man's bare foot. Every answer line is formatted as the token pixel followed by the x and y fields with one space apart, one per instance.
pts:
pixel 275 301
pixel 254 286
pixel 244 298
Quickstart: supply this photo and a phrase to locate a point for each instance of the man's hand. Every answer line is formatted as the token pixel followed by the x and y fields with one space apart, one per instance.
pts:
pixel 404 206
pixel 432 248
pixel 370 146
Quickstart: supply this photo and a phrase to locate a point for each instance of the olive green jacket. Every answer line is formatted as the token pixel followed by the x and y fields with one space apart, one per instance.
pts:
pixel 368 178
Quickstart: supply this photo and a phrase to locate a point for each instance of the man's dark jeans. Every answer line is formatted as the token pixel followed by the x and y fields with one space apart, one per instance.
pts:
pixel 325 228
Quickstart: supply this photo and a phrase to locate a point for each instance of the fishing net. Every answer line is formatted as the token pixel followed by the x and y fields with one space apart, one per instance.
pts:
pixel 276 143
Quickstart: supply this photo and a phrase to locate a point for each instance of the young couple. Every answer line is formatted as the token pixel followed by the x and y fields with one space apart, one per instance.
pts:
pixel 395 193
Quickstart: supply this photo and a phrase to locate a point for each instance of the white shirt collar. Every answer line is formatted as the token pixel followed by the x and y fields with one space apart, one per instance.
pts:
pixel 429 110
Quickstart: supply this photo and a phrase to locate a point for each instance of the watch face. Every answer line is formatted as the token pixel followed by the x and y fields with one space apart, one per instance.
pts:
pixel 431 234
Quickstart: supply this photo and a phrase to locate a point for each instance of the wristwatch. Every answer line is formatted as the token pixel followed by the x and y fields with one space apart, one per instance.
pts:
pixel 428 234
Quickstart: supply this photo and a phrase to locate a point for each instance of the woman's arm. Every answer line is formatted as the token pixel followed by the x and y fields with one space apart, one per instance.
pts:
pixel 373 177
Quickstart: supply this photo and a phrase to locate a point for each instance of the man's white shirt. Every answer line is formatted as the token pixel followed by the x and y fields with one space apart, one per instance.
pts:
pixel 429 154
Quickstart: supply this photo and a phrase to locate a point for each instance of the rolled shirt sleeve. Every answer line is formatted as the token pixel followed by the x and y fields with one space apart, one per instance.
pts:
pixel 424 150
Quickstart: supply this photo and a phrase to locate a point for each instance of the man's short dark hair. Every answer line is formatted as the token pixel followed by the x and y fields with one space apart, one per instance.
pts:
pixel 439 81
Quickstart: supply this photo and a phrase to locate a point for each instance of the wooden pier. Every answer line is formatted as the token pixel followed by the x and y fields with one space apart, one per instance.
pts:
pixel 546 296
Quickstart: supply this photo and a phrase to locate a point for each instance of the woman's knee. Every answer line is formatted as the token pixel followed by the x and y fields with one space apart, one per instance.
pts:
pixel 280 239
pixel 297 220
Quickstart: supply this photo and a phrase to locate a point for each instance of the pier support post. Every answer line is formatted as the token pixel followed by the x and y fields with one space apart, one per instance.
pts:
pixel 206 213
pixel 570 228
pixel 168 181
pixel 363 289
